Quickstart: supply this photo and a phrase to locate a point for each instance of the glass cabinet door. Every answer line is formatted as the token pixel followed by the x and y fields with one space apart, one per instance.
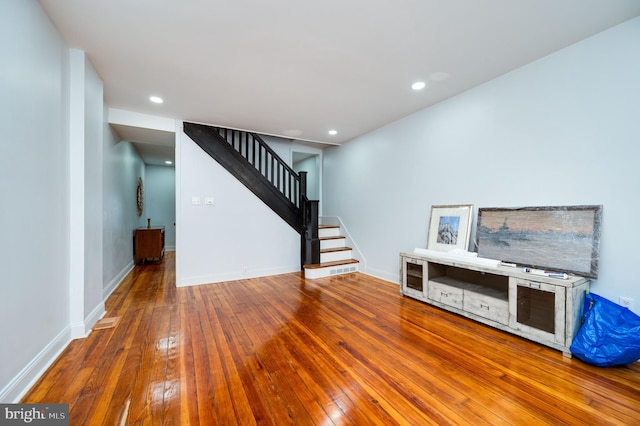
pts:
pixel 414 277
pixel 538 309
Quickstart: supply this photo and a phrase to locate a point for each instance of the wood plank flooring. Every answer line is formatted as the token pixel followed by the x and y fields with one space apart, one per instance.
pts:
pixel 334 351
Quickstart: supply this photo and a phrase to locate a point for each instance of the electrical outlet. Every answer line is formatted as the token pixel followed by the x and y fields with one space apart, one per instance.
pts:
pixel 625 301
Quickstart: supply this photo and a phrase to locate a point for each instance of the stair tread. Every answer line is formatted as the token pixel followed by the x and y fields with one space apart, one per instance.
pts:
pixel 335 237
pixel 328 226
pixel 331 250
pixel 326 264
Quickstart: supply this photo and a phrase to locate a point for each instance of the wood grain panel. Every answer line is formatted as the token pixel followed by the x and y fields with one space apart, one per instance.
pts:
pixel 333 351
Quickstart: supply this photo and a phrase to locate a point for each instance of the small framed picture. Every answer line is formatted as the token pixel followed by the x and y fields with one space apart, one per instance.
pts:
pixel 450 227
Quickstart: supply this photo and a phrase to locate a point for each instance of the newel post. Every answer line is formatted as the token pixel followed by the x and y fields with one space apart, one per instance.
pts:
pixel 309 241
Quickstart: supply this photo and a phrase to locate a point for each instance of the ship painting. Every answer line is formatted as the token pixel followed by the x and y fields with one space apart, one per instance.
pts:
pixel 558 238
pixel 502 235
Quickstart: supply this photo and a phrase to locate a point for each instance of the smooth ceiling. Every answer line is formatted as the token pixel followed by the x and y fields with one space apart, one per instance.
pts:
pixel 298 69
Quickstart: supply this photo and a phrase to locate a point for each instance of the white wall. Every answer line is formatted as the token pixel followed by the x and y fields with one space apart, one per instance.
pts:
pixel 85 194
pixel 34 189
pixel 561 131
pixel 52 195
pixel 122 168
pixel 236 238
pixel 160 201
pixel 94 119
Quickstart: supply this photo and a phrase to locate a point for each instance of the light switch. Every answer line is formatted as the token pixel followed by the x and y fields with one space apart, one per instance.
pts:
pixel 195 201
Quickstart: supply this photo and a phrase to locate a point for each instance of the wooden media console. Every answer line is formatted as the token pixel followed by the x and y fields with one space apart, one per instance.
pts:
pixel 540 308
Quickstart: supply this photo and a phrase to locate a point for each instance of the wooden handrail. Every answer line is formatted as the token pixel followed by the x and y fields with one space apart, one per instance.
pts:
pixel 250 145
pixel 257 165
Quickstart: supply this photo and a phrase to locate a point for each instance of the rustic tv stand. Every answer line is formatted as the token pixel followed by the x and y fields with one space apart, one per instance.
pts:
pixel 543 309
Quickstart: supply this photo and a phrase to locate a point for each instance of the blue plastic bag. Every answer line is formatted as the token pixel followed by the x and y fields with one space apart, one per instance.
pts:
pixel 609 335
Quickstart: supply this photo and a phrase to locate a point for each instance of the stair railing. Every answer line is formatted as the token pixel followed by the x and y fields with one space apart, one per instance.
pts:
pixel 260 155
pixel 291 185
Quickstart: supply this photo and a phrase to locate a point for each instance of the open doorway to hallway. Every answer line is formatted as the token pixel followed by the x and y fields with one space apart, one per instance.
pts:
pixel 310 163
pixel 160 200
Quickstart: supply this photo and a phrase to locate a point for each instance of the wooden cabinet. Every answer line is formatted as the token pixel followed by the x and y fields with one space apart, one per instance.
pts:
pixel 148 243
pixel 543 309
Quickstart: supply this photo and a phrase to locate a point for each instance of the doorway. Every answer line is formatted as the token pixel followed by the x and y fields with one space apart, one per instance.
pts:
pixel 310 163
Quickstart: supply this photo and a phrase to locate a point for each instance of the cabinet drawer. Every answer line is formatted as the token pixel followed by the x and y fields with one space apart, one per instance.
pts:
pixel 486 306
pixel 446 294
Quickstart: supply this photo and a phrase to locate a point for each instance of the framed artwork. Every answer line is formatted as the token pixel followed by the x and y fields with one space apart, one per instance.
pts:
pixel 450 227
pixel 140 196
pixel 561 238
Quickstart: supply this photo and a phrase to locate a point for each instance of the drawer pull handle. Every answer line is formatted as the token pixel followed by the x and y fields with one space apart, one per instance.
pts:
pixel 535 285
pixel 483 306
pixel 443 294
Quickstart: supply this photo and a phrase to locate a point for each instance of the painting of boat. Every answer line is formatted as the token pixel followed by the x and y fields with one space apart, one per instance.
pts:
pixel 562 238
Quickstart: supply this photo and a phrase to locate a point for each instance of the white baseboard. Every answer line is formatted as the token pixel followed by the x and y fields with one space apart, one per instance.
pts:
pixel 77 331
pixel 95 315
pixel 82 330
pixel 23 381
pixel 115 282
pixel 218 278
pixel 383 275
pixel 38 365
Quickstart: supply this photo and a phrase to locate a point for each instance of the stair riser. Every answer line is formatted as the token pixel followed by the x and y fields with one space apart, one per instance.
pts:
pixel 330 271
pixel 328 232
pixel 338 257
pixel 332 243
pixel 335 255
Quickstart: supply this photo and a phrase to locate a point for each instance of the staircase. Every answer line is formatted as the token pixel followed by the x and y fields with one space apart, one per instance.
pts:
pixel 247 157
pixel 335 256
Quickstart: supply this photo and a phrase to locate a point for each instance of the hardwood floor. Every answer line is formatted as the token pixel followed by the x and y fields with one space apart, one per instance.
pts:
pixel 332 351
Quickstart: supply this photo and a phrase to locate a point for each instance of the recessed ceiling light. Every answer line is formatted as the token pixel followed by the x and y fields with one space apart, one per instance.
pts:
pixel 333 132
pixel 156 99
pixel 418 85
pixel 168 162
